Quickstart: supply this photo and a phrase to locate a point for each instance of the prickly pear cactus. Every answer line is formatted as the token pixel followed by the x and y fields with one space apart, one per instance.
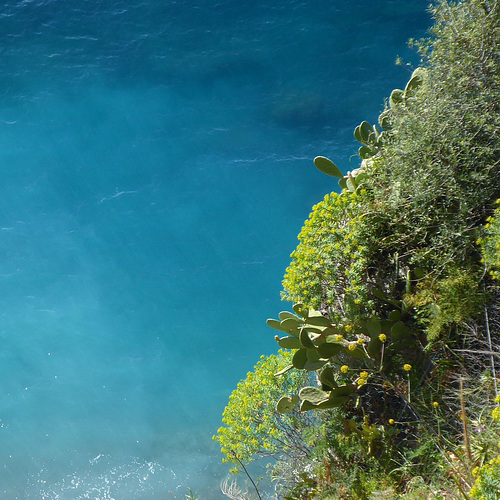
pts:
pixel 319 347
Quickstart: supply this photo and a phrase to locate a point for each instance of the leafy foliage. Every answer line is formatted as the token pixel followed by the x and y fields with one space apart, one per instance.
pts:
pixel 332 256
pixel 372 348
pixel 397 312
pixel 491 244
pixel 253 427
pixel 487 475
pixel 441 152
pixel 440 305
pixel 487 485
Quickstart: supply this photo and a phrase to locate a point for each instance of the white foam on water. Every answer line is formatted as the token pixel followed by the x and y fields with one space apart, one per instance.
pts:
pixel 107 479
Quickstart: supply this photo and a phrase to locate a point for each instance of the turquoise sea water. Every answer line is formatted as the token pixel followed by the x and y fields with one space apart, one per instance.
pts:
pixel 156 162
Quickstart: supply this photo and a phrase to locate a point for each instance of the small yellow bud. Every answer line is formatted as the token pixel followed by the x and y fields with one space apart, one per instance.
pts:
pixel 338 338
pixel 344 369
pixel 435 404
pixel 352 347
pixel 363 375
pixel 407 367
pixel 382 337
pixel 391 421
pixel 495 414
pixel 361 341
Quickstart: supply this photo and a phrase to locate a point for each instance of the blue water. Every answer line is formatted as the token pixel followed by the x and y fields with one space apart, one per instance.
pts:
pixel 156 169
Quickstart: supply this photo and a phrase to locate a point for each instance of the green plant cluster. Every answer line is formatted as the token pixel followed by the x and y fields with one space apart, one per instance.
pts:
pixel 490 244
pixel 252 425
pixel 487 474
pixel 487 485
pixel 373 346
pixel 441 152
pixel 332 257
pixel 395 327
pixel 441 305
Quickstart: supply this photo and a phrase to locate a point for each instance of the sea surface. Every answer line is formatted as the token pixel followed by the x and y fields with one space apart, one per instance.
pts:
pixel 156 167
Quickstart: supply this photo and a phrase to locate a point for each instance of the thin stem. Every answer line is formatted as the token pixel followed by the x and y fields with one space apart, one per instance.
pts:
pixel 382 357
pixel 246 472
pixel 488 333
pixel 464 423
pixel 438 420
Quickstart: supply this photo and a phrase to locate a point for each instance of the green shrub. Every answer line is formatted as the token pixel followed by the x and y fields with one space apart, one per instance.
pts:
pixel 443 304
pixel 331 258
pixel 487 485
pixel 490 244
pixel 338 258
pixel 441 152
pixel 252 426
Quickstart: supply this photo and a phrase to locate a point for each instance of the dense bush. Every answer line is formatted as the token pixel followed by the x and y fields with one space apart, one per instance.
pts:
pixel 442 148
pixel 330 265
pixel 491 244
pixel 487 485
pixel 253 428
